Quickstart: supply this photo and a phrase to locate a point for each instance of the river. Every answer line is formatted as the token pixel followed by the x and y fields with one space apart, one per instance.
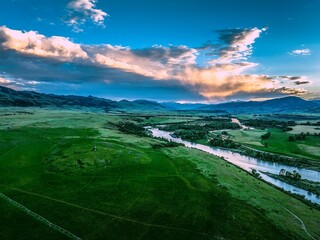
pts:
pixel 249 163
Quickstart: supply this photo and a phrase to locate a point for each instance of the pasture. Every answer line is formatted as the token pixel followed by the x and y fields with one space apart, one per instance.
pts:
pixel 76 170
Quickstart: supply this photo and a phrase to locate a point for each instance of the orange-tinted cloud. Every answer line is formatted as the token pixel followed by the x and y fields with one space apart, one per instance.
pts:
pixel 223 75
pixel 36 44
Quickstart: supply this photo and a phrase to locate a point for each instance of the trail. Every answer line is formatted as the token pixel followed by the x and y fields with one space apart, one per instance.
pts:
pixel 304 228
pixel 39 218
pixel 10 150
pixel 172 195
pixel 110 215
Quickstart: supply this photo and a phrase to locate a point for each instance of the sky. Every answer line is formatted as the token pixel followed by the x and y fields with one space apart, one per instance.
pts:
pixel 164 50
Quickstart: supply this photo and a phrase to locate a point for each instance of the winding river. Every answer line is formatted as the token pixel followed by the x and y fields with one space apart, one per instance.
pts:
pixel 249 163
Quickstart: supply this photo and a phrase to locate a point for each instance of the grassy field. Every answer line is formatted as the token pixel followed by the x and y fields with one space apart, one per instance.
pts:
pixel 250 137
pixel 125 189
pixel 167 120
pixel 278 143
pixel 305 128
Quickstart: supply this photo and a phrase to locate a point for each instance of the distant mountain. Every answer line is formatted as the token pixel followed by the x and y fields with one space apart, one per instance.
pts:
pixel 277 105
pixel 317 101
pixel 140 105
pixel 182 106
pixel 10 97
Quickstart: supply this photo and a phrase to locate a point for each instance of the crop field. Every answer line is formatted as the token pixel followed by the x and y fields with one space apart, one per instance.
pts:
pixel 72 174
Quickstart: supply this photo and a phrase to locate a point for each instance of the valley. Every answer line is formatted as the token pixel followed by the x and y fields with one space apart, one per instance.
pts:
pixel 76 169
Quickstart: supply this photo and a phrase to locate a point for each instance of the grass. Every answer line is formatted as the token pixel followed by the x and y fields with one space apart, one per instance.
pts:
pixel 304 128
pixel 153 120
pixel 250 137
pixel 128 190
pixel 278 143
pixel 310 186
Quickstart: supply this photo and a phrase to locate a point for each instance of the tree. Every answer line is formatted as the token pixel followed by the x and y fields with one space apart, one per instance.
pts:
pixel 292 138
pixel 266 136
pixel 289 174
pixel 255 173
pixel 296 175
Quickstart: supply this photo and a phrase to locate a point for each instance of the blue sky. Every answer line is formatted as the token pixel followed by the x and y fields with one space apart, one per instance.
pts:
pixel 188 51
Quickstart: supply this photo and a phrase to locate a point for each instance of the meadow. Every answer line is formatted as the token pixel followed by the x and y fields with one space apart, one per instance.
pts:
pixel 78 171
pixel 278 142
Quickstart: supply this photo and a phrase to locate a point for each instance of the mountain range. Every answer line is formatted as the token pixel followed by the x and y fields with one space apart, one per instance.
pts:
pixel 290 104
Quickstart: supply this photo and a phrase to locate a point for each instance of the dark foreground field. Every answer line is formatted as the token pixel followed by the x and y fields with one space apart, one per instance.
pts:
pixel 80 173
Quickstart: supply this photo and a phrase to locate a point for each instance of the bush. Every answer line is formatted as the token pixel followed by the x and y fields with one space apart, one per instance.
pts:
pixel 131 128
pixel 266 136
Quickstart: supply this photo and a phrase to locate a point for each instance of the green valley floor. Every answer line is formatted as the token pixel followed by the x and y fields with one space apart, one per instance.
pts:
pixel 72 174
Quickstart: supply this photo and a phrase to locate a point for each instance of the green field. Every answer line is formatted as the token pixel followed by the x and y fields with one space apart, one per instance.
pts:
pixel 305 128
pixel 152 120
pixel 126 189
pixel 249 137
pixel 279 143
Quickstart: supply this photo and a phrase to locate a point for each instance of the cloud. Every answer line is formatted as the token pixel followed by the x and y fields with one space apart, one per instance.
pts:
pixel 4 81
pixel 37 60
pixel 303 52
pixel 294 78
pixel 290 77
pixel 9 82
pixel 157 62
pixel 291 91
pixel 301 82
pixel 36 44
pixel 17 83
pixel 79 11
pixel 236 44
pixel 175 55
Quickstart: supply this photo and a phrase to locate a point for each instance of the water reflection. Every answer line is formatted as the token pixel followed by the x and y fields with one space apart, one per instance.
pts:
pixel 249 163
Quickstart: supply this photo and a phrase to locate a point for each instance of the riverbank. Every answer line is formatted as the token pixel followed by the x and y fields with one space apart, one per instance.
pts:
pixel 310 186
pixel 249 163
pixel 273 157
pixel 228 144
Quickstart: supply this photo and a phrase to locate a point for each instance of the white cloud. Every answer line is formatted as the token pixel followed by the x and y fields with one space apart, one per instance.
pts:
pixel 8 82
pixel 81 10
pixel 222 77
pixel 36 44
pixel 17 83
pixel 5 81
pixel 304 52
pixel 239 44
pixel 156 62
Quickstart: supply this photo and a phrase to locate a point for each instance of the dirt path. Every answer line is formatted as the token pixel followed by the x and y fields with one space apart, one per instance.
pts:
pixel 303 226
pixel 112 215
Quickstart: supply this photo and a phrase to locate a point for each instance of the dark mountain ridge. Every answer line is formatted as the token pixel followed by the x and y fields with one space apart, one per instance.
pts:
pixel 277 105
pixel 291 104
pixel 10 97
